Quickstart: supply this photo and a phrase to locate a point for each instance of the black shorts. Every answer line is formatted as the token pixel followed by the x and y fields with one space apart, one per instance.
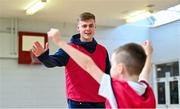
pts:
pixel 76 104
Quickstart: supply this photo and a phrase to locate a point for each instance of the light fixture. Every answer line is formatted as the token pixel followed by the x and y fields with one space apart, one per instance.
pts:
pixel 138 15
pixel 38 5
pixel 175 8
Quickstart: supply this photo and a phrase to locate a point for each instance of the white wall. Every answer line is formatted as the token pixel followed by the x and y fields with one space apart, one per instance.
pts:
pixel 166 42
pixel 114 37
pixel 30 86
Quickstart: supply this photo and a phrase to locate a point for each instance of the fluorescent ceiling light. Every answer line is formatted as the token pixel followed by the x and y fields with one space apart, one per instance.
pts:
pixel 165 16
pixel 36 7
pixel 138 15
pixel 159 18
pixel 175 8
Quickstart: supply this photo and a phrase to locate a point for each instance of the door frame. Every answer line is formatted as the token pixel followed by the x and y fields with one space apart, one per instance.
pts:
pixel 167 93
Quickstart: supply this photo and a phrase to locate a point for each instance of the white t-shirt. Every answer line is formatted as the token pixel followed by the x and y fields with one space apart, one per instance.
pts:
pixel 106 91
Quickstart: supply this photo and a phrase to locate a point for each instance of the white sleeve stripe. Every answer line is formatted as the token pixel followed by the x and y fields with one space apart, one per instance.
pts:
pixel 106 91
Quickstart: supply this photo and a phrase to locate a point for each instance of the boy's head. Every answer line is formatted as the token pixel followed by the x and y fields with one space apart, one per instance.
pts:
pixel 86 26
pixel 129 58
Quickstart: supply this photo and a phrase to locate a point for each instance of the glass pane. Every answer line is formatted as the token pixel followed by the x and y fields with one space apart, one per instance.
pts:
pixel 160 71
pixel 161 93
pixel 172 67
pixel 175 69
pixel 174 96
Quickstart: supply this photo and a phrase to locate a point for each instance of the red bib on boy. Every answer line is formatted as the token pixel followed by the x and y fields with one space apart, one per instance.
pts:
pixel 126 97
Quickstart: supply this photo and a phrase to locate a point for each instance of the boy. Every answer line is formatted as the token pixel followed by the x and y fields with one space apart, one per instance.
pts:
pixel 126 88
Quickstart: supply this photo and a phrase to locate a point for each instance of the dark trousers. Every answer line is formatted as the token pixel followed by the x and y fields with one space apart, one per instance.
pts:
pixel 76 104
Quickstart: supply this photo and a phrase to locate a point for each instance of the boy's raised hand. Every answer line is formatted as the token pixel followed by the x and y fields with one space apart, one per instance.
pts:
pixel 145 73
pixel 54 35
pixel 147 47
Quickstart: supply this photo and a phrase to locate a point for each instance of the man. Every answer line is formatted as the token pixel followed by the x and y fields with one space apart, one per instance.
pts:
pixel 81 88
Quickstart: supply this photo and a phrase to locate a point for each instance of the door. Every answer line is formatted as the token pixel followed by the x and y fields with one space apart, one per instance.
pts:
pixel 168 83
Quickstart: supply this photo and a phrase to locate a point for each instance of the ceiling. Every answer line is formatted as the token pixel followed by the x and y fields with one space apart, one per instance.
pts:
pixel 108 12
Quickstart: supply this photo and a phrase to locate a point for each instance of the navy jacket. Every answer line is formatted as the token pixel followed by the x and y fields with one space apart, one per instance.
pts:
pixel 60 58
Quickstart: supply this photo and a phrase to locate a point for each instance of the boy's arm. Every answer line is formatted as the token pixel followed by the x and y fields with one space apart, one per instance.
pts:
pixel 145 74
pixel 84 61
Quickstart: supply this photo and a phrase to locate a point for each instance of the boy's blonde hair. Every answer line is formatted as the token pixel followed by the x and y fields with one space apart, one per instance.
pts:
pixel 132 56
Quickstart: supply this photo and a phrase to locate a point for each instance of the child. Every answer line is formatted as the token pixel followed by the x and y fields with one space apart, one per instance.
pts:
pixel 127 87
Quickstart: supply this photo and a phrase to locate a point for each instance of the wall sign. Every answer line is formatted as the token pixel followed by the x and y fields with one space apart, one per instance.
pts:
pixel 26 40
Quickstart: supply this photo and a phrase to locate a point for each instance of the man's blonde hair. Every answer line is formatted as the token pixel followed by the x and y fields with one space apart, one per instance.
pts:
pixel 86 16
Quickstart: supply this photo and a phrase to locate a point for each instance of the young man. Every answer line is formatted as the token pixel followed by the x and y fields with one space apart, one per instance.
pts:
pixel 128 85
pixel 79 94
